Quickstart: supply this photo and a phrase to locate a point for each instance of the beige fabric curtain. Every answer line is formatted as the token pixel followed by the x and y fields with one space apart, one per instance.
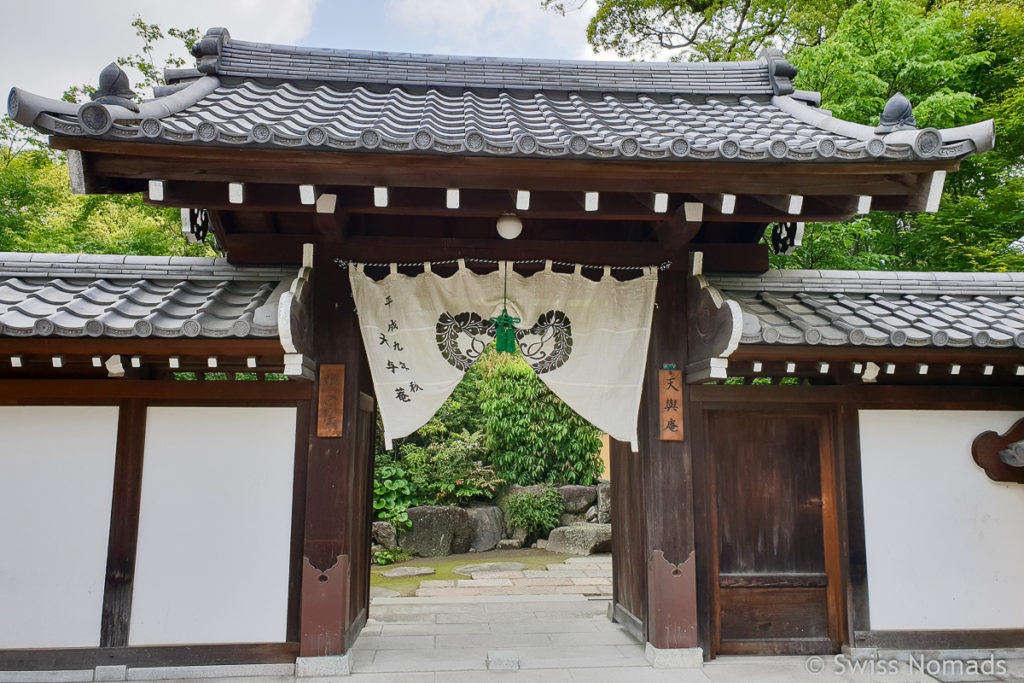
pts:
pixel 587 340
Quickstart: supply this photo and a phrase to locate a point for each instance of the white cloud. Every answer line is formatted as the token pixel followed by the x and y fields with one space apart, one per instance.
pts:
pixel 501 28
pixel 47 46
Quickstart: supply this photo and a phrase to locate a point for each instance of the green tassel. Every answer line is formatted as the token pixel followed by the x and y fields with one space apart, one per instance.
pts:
pixel 505 335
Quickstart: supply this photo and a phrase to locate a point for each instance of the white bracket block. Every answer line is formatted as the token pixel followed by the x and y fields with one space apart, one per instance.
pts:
pixel 17 361
pixel 236 193
pixel 823 368
pixel 451 198
pixel 931 204
pixel 864 203
pixel 660 202
pixel 522 200
pixel 174 362
pixel 693 211
pixel 954 369
pixel 58 361
pixel 326 203
pixel 211 362
pixel 307 194
pixel 380 197
pixel 156 190
pixel 97 361
pixel 591 201
pixel 136 361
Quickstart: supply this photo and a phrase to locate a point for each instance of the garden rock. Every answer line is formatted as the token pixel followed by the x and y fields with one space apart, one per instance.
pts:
pixel 403 572
pixel 437 530
pixel 567 519
pixel 577 498
pixel 604 503
pixel 384 535
pixel 470 569
pixel 378 592
pixel 581 539
pixel 509 544
pixel 591 515
pixel 488 527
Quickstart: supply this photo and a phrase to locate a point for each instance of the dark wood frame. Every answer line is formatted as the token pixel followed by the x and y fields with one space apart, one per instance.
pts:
pixel 830 456
pixel 134 397
pixel 844 402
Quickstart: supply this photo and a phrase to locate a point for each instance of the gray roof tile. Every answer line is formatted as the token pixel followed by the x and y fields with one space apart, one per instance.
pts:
pixel 879 308
pixel 74 295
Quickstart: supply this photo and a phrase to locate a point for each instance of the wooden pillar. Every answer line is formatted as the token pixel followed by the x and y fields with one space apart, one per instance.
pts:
pixel 123 538
pixel 667 481
pixel 335 576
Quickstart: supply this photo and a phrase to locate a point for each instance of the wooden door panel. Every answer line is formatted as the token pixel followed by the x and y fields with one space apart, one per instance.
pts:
pixel 772 587
pixel 762 614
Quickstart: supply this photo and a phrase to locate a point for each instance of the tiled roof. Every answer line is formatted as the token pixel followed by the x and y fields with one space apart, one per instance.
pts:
pixel 254 95
pixel 243 59
pixel 74 295
pixel 979 310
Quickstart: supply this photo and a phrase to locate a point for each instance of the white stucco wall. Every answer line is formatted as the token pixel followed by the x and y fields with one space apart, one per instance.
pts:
pixel 945 544
pixel 215 526
pixel 56 479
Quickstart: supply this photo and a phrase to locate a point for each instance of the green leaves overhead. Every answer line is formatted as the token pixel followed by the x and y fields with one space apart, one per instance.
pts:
pixel 705 30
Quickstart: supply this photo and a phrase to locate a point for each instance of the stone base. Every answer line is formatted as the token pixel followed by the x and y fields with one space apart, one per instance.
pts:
pixel 677 658
pixel 502 660
pixel 111 673
pixel 322 667
pixel 858 654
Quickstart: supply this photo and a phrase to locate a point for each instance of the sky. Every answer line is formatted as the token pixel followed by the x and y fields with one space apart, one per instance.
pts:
pixel 45 47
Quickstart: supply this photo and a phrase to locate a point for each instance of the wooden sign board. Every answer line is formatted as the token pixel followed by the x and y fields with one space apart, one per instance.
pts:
pixel 331 401
pixel 670 404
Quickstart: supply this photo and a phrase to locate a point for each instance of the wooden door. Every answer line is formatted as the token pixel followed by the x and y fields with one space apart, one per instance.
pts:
pixel 774 522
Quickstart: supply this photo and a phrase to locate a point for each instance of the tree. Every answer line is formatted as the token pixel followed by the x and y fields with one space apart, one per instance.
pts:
pixel 38 212
pixel 957 64
pixel 532 435
pixel 705 30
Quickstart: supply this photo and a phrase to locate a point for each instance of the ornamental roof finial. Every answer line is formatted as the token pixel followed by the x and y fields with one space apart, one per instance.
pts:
pixel 898 114
pixel 114 88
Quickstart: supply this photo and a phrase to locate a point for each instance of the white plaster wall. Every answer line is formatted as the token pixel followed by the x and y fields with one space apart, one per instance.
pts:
pixel 215 526
pixel 56 480
pixel 945 544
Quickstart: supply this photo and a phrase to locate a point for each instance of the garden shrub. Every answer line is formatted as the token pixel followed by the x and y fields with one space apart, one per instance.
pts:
pixel 450 471
pixel 392 493
pixel 535 513
pixel 531 434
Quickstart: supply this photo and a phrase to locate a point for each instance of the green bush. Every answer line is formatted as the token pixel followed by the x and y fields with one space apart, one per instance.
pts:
pixel 450 471
pixel 532 435
pixel 536 514
pixel 389 556
pixel 392 493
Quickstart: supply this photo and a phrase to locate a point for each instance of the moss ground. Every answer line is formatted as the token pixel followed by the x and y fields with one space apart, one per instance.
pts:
pixel 444 566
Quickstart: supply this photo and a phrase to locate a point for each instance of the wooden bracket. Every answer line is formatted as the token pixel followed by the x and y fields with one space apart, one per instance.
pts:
pixel 994 453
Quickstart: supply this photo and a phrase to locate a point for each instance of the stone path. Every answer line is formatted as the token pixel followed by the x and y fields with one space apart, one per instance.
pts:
pixel 589 576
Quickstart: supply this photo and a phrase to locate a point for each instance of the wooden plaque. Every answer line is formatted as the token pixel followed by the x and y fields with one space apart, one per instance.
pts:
pixel 670 404
pixel 331 402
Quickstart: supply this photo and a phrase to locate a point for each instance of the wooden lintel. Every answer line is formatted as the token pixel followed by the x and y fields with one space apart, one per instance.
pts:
pixel 147 346
pixel 881 355
pixel 17 391
pixel 185 162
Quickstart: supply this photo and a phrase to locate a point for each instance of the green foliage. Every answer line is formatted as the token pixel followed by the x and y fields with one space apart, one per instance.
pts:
pixel 392 493
pixel 705 30
pixel 450 471
pixel 531 434
pixel 390 556
pixel 536 514
pixel 38 212
pixel 143 65
pixel 883 47
pixel 957 63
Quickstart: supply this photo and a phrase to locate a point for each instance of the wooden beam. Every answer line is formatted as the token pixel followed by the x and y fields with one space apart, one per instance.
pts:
pixel 147 347
pixel 149 656
pixel 144 161
pixel 124 524
pixel 20 391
